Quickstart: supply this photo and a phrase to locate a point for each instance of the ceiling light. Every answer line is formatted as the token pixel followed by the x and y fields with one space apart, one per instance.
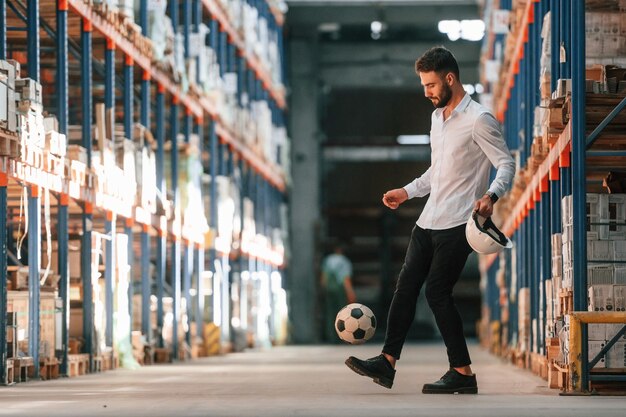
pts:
pixel 469 88
pixel 479 88
pixel 376 26
pixel 414 139
pixel 328 27
pixel 470 30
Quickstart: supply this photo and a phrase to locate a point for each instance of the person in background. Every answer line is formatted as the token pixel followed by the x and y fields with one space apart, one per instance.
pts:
pixel 337 287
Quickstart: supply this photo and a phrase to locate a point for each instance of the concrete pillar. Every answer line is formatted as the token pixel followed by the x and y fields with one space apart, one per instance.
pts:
pixel 305 195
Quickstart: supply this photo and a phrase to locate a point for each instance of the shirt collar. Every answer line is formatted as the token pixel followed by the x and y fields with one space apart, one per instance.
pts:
pixel 462 106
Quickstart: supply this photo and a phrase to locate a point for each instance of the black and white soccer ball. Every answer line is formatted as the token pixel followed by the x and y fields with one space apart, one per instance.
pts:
pixel 355 324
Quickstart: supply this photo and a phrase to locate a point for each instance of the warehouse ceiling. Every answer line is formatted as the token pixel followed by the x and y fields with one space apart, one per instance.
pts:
pixel 371 76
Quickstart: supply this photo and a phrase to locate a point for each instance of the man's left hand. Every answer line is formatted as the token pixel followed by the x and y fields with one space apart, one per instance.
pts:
pixel 484 206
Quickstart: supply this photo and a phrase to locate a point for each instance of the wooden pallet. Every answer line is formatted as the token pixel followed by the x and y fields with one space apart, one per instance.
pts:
pixel 78 364
pixel 48 368
pixel 23 368
pixel 162 355
pixel 10 375
pixel 9 144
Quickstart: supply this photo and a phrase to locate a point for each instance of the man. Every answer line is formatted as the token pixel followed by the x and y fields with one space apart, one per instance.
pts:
pixel 338 290
pixel 466 141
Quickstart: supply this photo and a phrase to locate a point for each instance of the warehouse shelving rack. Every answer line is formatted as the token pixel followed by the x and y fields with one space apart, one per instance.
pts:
pixel 566 170
pixel 83 34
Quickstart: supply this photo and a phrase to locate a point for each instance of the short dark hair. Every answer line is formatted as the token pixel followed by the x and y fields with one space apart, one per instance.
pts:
pixel 438 59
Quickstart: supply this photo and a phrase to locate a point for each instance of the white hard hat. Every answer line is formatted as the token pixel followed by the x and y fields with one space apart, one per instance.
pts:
pixel 483 236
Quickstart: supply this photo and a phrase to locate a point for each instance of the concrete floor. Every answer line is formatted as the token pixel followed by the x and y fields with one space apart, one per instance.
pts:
pixel 299 381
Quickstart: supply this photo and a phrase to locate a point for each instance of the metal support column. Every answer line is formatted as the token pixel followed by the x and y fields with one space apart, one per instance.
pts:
pixel 197 9
pixel 579 180
pixel 4 182
pixel 199 307
pixel 145 99
pixel 109 265
pixel 188 125
pixel 160 281
pixel 143 17
pixel 187 271
pixel 129 90
pixel 175 260
pixel 566 45
pixel 3 30
pixel 555 41
pixel 174 151
pixel 213 203
pixel 186 26
pixel 34 206
pixel 109 79
pixel 34 253
pixel 87 217
pixel 146 289
pixel 161 252
pixel 63 216
pixel 128 230
pixel 64 281
pixel 32 28
pixel 546 256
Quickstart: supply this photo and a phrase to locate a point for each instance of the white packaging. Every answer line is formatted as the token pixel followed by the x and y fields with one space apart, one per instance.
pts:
pixel 596 331
pixel 616 356
pixel 600 298
pixel 619 297
pixel 594 348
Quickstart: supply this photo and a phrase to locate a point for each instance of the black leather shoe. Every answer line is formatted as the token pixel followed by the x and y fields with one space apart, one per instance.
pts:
pixel 452 383
pixel 378 368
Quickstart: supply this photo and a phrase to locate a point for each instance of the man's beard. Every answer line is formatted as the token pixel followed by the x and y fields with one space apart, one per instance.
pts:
pixel 446 95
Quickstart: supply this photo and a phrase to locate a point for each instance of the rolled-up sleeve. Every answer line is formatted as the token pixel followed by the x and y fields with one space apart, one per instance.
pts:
pixel 419 187
pixel 488 135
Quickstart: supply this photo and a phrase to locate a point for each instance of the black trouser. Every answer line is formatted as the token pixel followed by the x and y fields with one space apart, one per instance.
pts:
pixel 436 257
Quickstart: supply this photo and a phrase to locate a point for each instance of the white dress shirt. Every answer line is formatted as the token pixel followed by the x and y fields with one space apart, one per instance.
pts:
pixel 463 149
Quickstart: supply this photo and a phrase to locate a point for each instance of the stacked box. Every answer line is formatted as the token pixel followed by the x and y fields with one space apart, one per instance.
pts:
pixel 600 298
pixel 619 297
pixel 594 347
pixel 9 71
pixel 600 274
pixel 597 331
pixel 616 356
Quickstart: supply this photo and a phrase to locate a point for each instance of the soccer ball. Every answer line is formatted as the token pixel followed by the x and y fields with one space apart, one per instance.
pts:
pixel 355 324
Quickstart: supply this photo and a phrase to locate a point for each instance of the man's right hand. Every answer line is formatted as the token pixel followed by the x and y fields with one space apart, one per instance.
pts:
pixel 394 198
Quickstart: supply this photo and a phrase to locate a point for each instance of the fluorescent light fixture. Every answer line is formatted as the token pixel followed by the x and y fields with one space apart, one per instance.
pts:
pixel 328 27
pixel 414 139
pixel 376 26
pixel 469 30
